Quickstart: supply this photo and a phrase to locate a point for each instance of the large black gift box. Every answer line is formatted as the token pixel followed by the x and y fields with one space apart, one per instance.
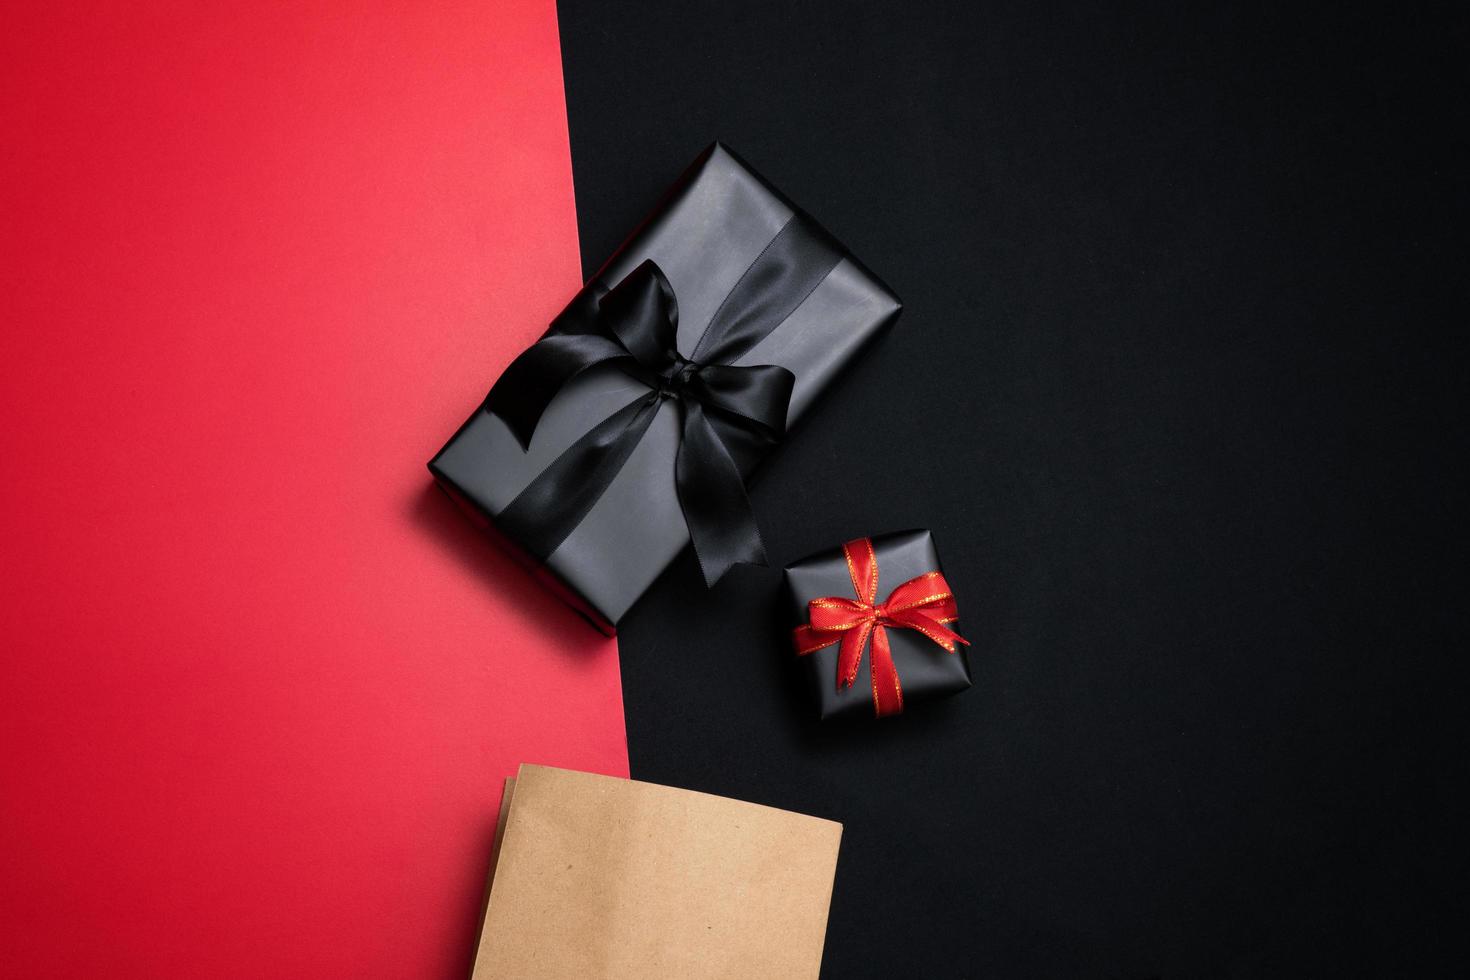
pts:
pixel 730 249
pixel 925 668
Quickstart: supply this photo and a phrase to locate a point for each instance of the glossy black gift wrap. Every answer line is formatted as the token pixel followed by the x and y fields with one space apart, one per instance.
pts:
pixel 926 669
pixel 711 229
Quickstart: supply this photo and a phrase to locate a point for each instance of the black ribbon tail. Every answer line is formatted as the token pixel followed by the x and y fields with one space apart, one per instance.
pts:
pixel 554 503
pixel 712 495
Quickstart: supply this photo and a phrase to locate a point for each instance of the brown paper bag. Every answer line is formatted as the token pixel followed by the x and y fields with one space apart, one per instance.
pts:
pixel 599 877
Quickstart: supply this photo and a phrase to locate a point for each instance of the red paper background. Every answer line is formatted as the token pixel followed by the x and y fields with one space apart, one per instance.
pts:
pixel 259 682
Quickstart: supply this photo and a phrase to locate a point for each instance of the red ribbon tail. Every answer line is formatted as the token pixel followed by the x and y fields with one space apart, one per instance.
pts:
pixel 887 692
pixel 807 640
pixel 944 636
pixel 850 654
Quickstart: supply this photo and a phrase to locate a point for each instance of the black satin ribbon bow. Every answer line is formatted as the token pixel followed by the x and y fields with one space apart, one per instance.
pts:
pixel 731 414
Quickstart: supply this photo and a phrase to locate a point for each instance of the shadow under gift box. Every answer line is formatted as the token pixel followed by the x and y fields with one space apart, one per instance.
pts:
pixel 714 223
pixel 925 669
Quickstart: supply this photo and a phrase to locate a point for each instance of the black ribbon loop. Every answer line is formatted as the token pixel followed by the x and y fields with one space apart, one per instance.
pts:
pixel 731 414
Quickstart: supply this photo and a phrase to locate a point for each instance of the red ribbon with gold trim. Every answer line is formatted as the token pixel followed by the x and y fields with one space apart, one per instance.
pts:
pixel 923 603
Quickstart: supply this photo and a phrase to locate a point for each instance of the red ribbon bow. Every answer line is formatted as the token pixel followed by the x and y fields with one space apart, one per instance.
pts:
pixel 924 603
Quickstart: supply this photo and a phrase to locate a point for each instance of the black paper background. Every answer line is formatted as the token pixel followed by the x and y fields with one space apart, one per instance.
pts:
pixel 1176 388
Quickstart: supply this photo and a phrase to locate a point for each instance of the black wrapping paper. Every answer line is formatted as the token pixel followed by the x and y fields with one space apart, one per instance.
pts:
pixel 712 225
pixel 927 670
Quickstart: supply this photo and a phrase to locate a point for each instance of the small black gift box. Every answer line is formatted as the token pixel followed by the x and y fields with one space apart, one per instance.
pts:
pixel 631 428
pixel 876 625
